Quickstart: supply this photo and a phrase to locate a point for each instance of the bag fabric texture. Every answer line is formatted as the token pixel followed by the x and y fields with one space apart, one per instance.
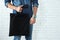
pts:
pixel 19 24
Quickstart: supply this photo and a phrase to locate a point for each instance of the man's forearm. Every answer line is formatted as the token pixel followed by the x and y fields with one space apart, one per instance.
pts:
pixel 11 6
pixel 34 11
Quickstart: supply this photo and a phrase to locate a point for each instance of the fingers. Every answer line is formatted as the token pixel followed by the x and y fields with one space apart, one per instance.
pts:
pixel 32 21
pixel 19 8
pixel 21 5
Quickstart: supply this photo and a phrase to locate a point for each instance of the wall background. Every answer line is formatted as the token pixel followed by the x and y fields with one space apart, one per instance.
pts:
pixel 47 26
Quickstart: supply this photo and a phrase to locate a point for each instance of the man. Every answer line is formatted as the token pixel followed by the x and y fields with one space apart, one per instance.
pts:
pixel 17 5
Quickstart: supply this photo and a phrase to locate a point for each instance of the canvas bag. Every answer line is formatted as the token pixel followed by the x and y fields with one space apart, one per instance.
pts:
pixel 19 24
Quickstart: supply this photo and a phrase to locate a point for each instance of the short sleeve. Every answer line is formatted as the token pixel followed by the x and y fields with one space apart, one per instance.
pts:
pixel 35 3
pixel 6 2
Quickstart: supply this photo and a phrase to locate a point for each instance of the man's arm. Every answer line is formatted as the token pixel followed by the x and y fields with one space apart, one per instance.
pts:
pixel 34 12
pixel 9 5
pixel 35 7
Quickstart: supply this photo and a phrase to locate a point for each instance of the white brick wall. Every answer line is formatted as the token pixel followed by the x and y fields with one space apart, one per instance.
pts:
pixel 47 26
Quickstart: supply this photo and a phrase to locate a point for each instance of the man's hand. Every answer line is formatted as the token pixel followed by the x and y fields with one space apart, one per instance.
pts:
pixel 32 20
pixel 19 8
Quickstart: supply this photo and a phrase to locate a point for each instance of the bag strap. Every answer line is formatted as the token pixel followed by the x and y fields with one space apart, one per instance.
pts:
pixel 21 3
pixel 31 0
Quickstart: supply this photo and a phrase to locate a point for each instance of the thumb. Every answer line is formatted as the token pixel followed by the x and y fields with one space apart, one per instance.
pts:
pixel 21 5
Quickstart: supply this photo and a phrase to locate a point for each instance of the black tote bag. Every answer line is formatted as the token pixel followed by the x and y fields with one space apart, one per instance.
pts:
pixel 19 24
